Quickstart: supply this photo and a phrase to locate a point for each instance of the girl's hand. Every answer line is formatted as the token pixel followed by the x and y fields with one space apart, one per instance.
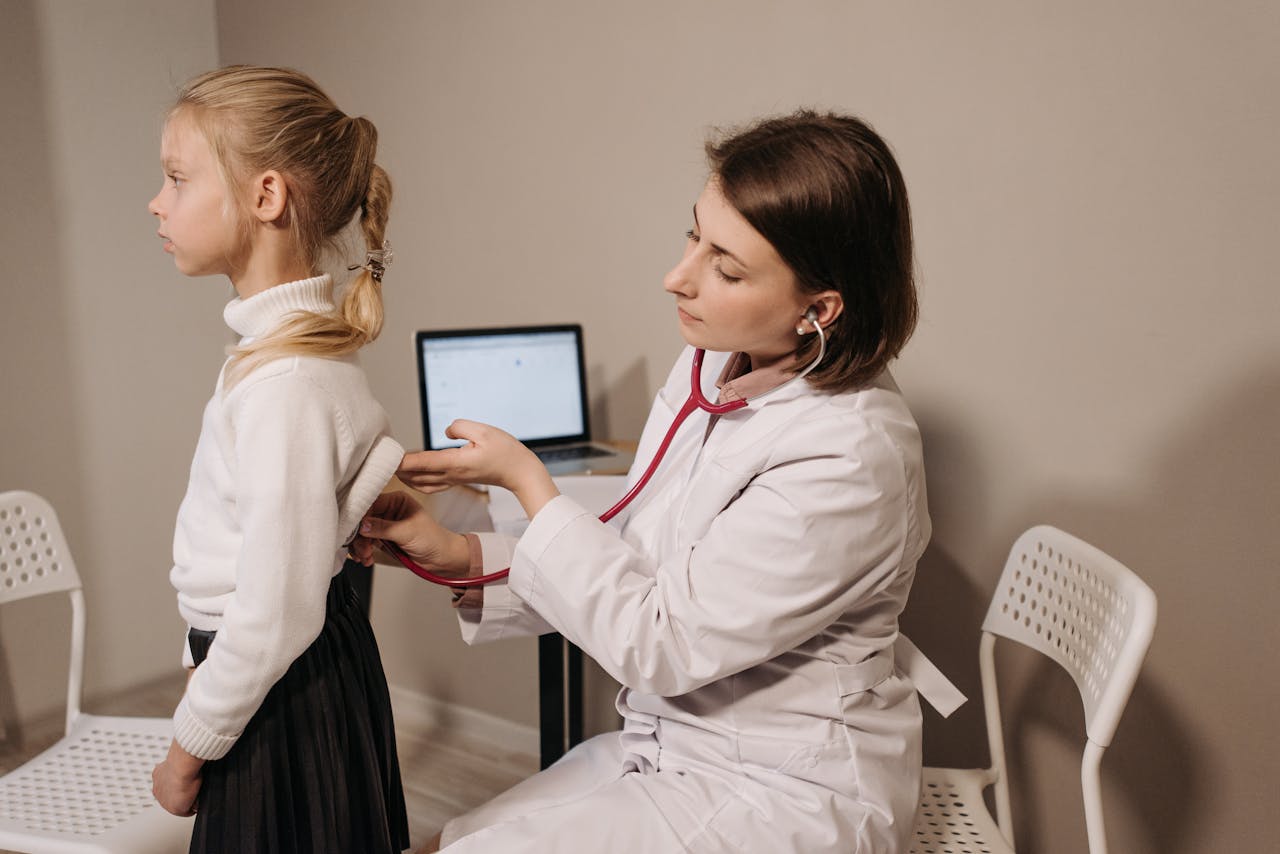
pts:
pixel 398 518
pixel 175 782
pixel 491 456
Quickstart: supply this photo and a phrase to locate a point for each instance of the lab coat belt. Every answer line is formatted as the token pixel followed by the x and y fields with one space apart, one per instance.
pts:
pixel 936 688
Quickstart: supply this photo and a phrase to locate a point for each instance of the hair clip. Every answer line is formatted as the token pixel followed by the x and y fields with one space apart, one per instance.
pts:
pixel 376 261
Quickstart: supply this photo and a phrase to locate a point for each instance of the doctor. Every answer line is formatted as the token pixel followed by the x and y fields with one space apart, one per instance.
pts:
pixel 748 600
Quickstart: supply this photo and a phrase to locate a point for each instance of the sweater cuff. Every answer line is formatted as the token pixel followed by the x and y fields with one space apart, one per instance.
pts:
pixel 196 738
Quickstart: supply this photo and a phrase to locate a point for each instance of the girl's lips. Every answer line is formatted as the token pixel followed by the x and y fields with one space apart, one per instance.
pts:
pixel 685 316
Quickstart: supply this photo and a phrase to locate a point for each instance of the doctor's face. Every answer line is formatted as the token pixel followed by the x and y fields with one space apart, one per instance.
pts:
pixel 733 291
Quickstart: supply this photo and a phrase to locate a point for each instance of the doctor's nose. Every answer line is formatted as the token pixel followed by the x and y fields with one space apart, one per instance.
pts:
pixel 677 280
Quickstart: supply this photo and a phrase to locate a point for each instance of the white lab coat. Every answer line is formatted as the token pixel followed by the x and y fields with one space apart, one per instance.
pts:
pixel 749 607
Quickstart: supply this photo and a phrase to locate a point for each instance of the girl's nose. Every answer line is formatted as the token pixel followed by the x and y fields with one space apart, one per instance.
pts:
pixel 153 206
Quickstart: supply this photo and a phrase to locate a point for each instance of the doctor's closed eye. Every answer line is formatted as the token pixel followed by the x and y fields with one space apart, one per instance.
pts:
pixel 716 255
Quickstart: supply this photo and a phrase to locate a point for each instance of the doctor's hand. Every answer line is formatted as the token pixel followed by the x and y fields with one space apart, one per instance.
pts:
pixel 490 456
pixel 398 518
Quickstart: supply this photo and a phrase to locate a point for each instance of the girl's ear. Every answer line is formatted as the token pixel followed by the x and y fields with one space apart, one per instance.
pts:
pixel 269 196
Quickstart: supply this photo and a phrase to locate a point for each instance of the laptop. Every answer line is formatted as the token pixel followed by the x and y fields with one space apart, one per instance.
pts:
pixel 528 380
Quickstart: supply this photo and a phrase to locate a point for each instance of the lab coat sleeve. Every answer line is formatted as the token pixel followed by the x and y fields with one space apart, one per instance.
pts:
pixel 811 535
pixel 503 614
pixel 287 450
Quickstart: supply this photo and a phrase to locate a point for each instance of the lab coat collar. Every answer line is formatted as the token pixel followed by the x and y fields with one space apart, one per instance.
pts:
pixel 738 380
pixel 676 389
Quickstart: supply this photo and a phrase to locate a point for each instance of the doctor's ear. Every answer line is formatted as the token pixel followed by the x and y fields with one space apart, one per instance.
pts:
pixel 823 309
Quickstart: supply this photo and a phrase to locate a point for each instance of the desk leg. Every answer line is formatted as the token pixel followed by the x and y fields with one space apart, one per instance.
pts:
pixel 551 697
pixel 573 693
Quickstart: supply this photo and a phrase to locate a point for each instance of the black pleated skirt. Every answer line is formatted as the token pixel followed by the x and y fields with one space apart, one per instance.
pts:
pixel 316 768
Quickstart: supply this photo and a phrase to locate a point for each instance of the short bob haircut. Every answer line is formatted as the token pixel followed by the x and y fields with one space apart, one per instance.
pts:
pixel 826 192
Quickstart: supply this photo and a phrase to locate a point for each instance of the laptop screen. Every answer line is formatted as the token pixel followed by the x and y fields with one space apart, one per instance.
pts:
pixel 529 381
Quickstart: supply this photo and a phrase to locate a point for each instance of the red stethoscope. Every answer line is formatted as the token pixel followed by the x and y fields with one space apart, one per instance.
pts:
pixel 696 400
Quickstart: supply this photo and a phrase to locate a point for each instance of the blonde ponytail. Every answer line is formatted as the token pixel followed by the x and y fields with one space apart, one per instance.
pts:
pixel 362 305
pixel 259 118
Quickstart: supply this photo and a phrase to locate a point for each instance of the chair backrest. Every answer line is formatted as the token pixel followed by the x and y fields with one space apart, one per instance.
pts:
pixel 34 560
pixel 1083 609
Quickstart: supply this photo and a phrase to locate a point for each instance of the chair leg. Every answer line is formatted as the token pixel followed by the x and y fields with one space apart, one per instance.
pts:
pixel 1091 785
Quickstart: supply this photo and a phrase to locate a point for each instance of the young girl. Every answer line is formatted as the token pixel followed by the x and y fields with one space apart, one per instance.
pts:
pixel 748 600
pixel 284 740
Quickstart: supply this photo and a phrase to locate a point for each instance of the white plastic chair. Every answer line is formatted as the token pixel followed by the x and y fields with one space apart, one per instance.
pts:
pixel 90 792
pixel 1084 610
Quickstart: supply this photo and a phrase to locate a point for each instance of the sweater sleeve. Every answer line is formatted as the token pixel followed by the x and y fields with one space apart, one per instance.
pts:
pixel 290 438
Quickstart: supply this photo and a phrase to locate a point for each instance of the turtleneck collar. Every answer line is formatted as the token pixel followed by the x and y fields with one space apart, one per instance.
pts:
pixel 262 312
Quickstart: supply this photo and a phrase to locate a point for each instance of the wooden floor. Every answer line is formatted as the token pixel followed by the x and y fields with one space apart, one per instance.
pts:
pixel 444 773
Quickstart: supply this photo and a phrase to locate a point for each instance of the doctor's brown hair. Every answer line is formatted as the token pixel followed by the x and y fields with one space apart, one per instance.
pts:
pixel 826 192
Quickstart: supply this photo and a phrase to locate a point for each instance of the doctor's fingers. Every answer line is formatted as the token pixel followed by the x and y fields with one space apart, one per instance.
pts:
pixel 432 482
pixel 427 463
pixel 398 530
pixel 361 550
pixel 471 431
pixel 395 504
pixel 482 439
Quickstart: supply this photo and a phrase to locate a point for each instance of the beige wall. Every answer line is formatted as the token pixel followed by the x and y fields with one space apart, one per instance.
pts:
pixel 1094 188
pixel 108 353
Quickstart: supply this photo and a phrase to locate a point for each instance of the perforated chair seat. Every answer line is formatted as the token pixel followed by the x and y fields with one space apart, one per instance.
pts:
pixel 952 818
pixel 91 792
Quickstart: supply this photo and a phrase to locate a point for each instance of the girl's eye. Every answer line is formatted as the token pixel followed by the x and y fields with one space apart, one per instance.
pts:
pixel 176 180
pixel 691 236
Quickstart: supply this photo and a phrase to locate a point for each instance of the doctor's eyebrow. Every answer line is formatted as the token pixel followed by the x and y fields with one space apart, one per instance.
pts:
pixel 720 250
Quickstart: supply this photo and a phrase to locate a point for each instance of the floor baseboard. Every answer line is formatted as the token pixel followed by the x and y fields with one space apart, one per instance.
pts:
pixel 423 713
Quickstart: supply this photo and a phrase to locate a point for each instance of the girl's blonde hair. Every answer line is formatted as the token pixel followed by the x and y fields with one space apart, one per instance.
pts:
pixel 259 118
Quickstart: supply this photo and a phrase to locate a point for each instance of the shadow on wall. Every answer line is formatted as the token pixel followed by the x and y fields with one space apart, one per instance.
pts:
pixel 38 419
pixel 1202 533
pixel 628 399
pixel 945 611
pixel 944 618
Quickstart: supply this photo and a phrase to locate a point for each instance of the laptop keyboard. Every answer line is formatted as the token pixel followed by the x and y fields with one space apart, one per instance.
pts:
pixel 577 452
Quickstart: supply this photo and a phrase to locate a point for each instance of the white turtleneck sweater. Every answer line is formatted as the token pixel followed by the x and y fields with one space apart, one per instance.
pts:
pixel 288 460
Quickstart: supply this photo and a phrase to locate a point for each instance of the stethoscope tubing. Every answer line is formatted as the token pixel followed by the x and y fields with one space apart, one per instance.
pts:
pixel 695 401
